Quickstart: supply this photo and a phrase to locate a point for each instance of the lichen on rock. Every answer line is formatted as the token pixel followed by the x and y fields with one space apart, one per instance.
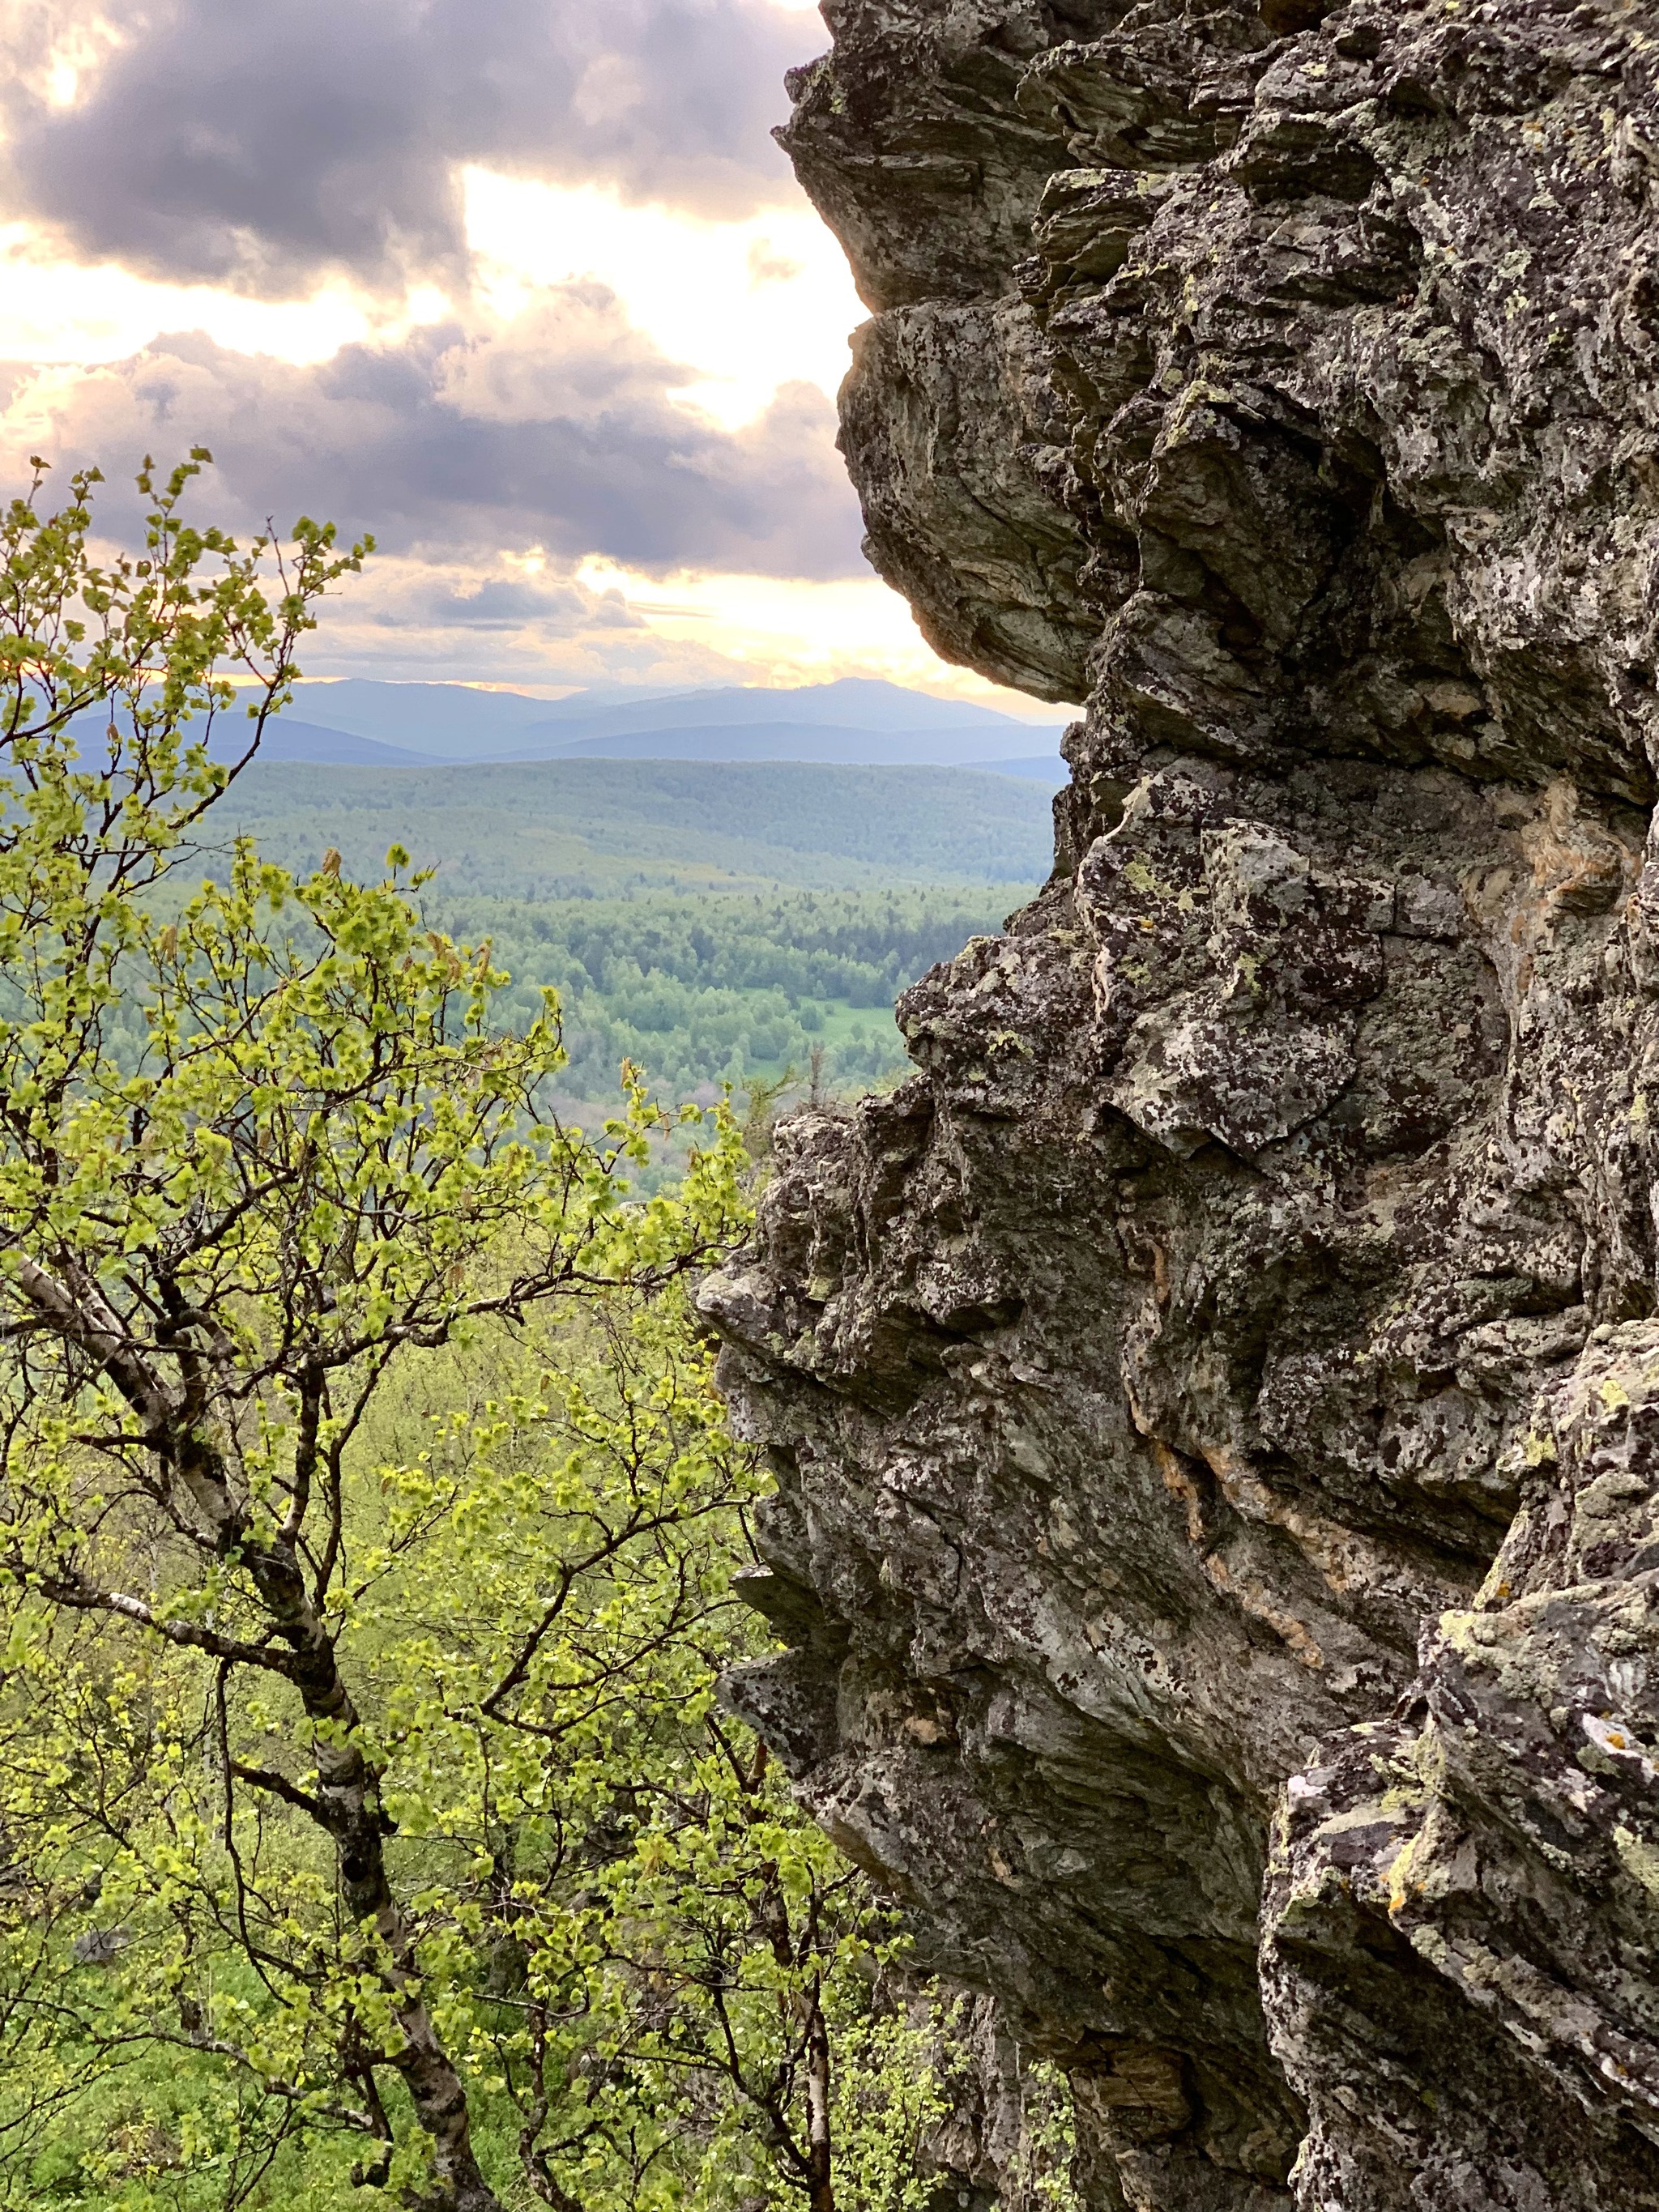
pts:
pixel 1215 1401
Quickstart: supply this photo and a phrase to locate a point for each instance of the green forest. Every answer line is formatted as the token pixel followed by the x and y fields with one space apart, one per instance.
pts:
pixel 371 1535
pixel 559 829
pixel 716 989
pixel 712 923
pixel 702 991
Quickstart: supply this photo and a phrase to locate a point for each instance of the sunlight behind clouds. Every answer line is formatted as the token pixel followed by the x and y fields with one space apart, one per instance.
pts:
pixel 750 306
pixel 781 630
pixel 619 363
pixel 62 42
pixel 65 312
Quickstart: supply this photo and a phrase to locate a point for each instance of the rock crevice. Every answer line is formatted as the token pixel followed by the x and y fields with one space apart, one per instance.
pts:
pixel 1215 1401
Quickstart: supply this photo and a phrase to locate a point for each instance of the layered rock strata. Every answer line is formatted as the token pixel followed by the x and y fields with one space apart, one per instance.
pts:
pixel 1215 1401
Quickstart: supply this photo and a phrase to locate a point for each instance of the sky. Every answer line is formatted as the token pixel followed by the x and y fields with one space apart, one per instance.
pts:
pixel 524 287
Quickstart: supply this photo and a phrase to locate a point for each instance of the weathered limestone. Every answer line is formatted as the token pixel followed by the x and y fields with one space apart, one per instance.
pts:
pixel 1216 1401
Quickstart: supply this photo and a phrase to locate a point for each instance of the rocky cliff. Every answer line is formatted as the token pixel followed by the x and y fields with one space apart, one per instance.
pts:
pixel 1215 1401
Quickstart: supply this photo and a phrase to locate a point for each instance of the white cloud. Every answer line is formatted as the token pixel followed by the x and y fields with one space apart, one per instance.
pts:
pixel 527 290
pixel 782 630
pixel 537 623
pixel 56 311
pixel 267 146
pixel 750 306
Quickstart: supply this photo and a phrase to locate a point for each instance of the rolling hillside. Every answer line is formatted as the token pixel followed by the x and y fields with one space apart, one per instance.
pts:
pixel 585 827
pixel 710 921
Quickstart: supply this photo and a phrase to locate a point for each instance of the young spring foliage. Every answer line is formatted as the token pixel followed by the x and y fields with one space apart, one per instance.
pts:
pixel 366 1526
pixel 328 1159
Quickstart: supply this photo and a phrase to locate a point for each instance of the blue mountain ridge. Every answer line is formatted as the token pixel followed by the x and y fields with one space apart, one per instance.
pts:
pixel 309 744
pixel 948 746
pixel 728 724
pixel 453 721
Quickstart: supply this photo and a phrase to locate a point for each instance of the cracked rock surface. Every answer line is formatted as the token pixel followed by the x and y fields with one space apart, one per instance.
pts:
pixel 1215 1401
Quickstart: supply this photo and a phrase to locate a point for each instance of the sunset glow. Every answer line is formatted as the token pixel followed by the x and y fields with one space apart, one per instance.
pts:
pixel 596 306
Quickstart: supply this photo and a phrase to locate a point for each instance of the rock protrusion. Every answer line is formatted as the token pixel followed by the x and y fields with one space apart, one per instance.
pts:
pixel 1212 1399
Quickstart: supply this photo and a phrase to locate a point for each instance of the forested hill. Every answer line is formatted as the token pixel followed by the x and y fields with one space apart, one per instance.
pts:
pixel 582 828
pixel 723 987
pixel 711 922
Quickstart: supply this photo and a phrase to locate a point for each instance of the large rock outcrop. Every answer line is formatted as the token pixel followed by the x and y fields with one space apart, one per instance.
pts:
pixel 1216 1400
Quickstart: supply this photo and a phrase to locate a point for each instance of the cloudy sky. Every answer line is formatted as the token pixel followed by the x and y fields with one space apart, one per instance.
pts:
pixel 522 286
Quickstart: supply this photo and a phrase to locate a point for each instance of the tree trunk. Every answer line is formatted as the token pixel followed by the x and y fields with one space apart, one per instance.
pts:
pixel 348 1789
pixel 820 2180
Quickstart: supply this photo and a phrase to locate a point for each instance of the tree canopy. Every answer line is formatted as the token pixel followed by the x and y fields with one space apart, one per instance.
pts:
pixel 369 1523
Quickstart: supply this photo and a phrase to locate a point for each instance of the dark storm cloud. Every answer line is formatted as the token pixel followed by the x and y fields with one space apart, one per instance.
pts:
pixel 262 143
pixel 559 430
pixel 509 603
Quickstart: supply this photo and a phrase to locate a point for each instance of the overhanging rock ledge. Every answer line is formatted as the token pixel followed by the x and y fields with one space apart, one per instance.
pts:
pixel 1215 1401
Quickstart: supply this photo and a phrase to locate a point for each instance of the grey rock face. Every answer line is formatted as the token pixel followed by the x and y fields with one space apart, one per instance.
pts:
pixel 1216 1401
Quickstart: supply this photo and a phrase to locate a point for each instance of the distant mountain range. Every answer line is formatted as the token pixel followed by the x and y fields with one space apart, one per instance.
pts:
pixel 290 739
pixel 854 721
pixel 948 747
pixel 1048 768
